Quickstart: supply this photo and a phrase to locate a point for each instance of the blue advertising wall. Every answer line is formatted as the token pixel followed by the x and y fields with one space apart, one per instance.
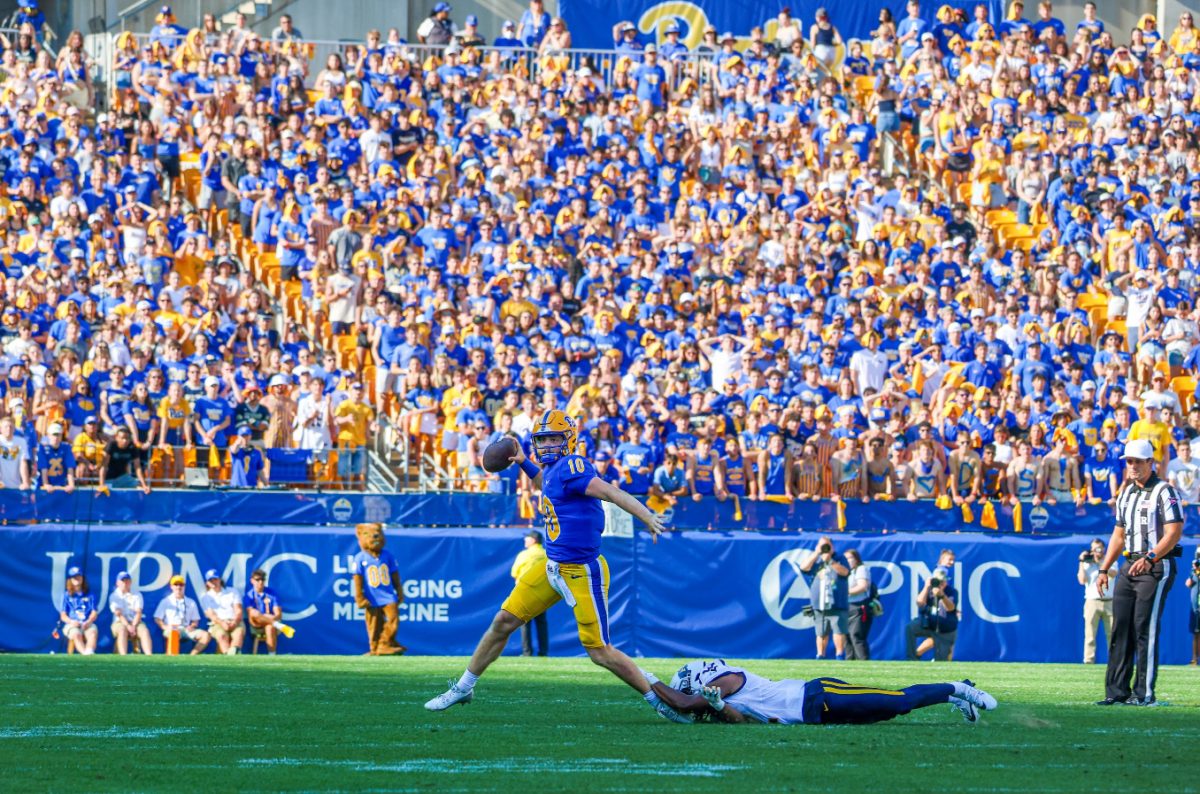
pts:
pixel 696 593
pixel 591 21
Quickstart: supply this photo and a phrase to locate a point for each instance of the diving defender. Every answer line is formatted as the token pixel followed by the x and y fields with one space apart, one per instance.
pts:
pixel 714 689
pixel 575 570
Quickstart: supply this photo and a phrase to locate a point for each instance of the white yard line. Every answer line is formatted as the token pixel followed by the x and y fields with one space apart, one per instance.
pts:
pixel 448 766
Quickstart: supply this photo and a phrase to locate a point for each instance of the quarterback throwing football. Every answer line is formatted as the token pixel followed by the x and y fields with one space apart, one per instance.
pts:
pixel 732 694
pixel 575 570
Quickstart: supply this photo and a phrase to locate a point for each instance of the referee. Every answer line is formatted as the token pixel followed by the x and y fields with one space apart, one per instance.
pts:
pixel 1149 525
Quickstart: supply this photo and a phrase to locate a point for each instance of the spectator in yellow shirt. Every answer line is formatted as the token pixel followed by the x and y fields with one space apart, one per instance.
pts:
pixel 89 451
pixel 1155 427
pixel 530 561
pixel 353 418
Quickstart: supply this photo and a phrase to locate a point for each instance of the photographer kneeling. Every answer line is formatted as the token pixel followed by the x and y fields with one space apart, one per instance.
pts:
pixel 827 574
pixel 937 618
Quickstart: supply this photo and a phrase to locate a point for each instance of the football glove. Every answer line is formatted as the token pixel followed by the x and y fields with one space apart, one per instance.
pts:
pixel 713 695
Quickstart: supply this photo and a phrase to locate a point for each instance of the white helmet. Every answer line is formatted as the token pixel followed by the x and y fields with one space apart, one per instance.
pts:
pixel 687 678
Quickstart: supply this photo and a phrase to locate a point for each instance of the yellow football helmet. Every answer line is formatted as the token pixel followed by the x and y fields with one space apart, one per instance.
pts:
pixel 554 437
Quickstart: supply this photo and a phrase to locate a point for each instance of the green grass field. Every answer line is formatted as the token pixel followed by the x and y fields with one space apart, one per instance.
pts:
pixel 353 724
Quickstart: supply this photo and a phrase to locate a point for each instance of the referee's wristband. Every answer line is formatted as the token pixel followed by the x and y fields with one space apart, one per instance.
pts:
pixel 530 468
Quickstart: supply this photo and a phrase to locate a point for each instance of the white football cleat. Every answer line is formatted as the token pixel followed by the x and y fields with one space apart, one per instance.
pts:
pixel 967 690
pixel 966 709
pixel 450 697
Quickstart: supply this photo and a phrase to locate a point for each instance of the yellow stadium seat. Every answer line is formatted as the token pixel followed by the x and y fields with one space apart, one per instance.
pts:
pixel 1184 387
pixel 996 217
pixel 1092 300
pixel 1099 319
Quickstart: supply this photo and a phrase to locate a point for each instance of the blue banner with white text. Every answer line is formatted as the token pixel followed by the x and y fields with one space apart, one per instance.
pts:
pixel 732 594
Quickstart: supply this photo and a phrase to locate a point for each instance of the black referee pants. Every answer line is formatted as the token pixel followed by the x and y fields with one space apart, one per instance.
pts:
pixel 1137 612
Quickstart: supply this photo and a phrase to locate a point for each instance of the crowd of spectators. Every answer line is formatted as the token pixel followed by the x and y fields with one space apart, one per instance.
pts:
pixel 711 259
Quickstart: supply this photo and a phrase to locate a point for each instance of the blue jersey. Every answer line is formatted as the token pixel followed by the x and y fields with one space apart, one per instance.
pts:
pixel 265 602
pixel 55 462
pixel 78 606
pixel 380 576
pixel 574 520
pixel 776 475
pixel 703 474
pixel 1100 472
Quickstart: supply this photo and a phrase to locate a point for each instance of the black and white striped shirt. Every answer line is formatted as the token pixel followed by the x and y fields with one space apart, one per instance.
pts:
pixel 1143 511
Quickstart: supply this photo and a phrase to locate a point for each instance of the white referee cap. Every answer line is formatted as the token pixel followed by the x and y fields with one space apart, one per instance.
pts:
pixel 1139 449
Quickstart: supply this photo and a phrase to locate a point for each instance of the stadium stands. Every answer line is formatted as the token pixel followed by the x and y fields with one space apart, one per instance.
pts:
pixel 941 243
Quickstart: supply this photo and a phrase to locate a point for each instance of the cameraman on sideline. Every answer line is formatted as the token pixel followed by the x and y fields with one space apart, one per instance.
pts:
pixel 1097 607
pixel 1193 586
pixel 937 618
pixel 829 594
pixel 861 615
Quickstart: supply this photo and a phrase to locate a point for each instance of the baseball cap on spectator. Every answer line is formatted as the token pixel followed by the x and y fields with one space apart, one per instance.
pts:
pixel 441 7
pixel 123 575
pixel 280 380
pixel 177 579
pixel 212 380
pixel 472 20
pixel 55 429
pixel 243 430
pixel 211 574
pixel 89 420
pixel 74 571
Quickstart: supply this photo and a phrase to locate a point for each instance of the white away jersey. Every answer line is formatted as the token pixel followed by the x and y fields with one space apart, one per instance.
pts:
pixel 759 698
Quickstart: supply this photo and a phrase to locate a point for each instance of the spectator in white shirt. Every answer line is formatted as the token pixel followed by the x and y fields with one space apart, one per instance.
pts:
pixel 1184 473
pixel 127 624
pixel 869 365
pixel 14 457
pixel 223 608
pixel 177 612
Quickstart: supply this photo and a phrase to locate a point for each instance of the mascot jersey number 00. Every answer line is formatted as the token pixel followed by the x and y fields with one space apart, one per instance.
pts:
pixel 378 590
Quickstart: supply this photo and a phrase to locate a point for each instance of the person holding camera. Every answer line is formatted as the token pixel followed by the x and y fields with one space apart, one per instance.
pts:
pixel 862 608
pixel 1193 586
pixel 937 615
pixel 1097 607
pixel 828 574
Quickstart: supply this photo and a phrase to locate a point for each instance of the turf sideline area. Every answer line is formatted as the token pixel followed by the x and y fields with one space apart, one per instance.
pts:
pixel 312 723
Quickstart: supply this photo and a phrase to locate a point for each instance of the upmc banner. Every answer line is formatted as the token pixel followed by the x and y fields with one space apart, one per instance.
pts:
pixel 691 594
pixel 591 21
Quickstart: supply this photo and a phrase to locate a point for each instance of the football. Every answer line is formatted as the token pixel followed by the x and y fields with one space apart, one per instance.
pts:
pixel 495 457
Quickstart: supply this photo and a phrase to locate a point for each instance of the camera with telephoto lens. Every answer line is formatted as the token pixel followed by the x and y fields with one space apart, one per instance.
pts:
pixel 825 548
pixel 929 615
pixel 1085 555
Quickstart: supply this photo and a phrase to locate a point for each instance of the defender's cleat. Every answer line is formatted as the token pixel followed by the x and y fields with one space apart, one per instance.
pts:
pixel 450 697
pixel 977 697
pixel 966 709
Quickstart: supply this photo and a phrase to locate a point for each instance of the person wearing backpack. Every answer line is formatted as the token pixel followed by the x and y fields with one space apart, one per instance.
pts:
pixel 864 605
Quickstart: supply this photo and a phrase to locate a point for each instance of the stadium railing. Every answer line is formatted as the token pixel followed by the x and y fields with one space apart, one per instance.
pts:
pixel 177 466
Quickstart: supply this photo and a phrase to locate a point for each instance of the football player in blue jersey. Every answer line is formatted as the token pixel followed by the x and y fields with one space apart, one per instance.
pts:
pixel 575 571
